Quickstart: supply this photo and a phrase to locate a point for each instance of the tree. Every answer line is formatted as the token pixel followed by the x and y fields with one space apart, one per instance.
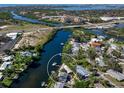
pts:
pixel 92 53
pixel 82 84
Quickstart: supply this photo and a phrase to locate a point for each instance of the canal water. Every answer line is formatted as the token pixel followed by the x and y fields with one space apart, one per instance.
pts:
pixel 33 76
pixel 23 18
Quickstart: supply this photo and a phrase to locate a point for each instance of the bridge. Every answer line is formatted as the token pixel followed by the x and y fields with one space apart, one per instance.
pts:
pixel 88 25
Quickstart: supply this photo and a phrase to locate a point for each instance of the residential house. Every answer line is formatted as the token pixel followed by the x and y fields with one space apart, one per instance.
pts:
pixel 81 71
pixel 5 65
pixel 117 75
pixel 99 61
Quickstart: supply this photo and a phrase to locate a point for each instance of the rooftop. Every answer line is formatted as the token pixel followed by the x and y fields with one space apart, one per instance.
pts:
pixel 80 70
pixel 117 75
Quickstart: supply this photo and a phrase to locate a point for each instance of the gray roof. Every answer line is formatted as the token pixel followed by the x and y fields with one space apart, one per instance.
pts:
pixel 117 75
pixel 59 85
pixel 80 70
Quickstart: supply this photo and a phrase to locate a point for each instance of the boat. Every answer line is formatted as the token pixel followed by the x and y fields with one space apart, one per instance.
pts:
pixel 62 44
pixel 42 84
pixel 54 64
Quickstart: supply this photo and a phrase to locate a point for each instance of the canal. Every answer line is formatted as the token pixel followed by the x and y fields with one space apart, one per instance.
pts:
pixel 34 76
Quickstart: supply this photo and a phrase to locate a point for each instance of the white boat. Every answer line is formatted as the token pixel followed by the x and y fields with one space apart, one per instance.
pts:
pixel 42 84
pixel 62 44
pixel 54 64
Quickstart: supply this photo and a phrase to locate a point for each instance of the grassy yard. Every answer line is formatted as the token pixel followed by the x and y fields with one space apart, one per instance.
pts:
pixel 24 26
pixel 7 81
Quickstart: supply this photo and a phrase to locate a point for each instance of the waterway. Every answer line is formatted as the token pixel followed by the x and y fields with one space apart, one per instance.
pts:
pixel 35 21
pixel 34 75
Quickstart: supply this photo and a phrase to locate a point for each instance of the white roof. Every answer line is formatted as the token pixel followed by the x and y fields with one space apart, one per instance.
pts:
pixel 110 18
pixel 100 61
pixel 117 75
pixel 12 35
pixel 7 58
pixel 4 65
pixel 94 40
pixel 1 27
pixel 67 68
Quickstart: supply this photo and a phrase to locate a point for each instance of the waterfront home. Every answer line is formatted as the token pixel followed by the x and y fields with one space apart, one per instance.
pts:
pixel 26 53
pixel 101 38
pixel 117 75
pixel 99 61
pixel 7 58
pixel 12 35
pixel 62 76
pixel 1 76
pixel 95 42
pixel 81 71
pixel 59 85
pixel 65 67
pixel 5 65
pixel 2 27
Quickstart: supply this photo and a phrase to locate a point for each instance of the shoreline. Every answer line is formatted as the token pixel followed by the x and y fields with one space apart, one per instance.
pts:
pixel 34 61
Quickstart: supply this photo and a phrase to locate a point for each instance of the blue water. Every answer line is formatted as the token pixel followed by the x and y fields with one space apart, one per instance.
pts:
pixel 73 6
pixel 34 76
pixel 22 18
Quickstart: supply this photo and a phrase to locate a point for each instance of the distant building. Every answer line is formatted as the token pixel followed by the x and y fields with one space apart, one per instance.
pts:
pixel 117 75
pixel 12 35
pixel 111 18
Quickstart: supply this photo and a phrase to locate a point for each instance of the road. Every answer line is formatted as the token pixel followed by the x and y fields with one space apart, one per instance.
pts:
pixel 104 25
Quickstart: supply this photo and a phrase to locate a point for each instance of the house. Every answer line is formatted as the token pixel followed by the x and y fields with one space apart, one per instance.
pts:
pixel 26 53
pixel 2 27
pixel 62 76
pixel 7 58
pixel 59 85
pixel 65 67
pixel 111 18
pixel 99 61
pixel 95 42
pixel 5 65
pixel 117 75
pixel 12 35
pixel 85 46
pixel 81 71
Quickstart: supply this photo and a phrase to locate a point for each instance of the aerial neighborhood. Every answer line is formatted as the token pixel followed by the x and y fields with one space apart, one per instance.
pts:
pixel 49 46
